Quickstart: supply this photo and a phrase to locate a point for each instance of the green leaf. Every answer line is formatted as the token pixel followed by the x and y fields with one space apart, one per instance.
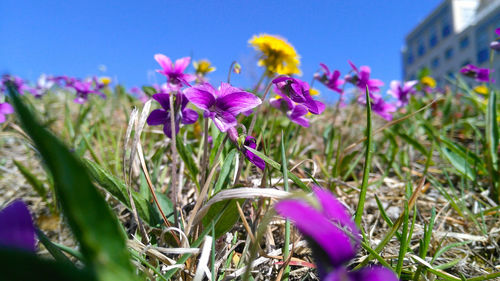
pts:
pixel 118 189
pixel 227 219
pixel 95 227
pixel 53 249
pixel 187 157
pixel 277 166
pixel 37 184
pixel 225 171
pixel 18 265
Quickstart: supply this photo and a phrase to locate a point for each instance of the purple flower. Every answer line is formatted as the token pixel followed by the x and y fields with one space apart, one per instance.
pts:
pixel 495 45
pixel 83 89
pixel 16 227
pixel 332 234
pixel 139 94
pixel 480 74
pixel 222 105
pixel 361 79
pixel 330 79
pixel 175 72
pixel 298 92
pixel 256 160
pixel 162 116
pixel 402 92
pixel 295 112
pixel 382 108
pixel 5 108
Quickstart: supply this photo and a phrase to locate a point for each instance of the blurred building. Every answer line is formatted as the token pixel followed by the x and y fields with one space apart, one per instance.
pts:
pixel 456 33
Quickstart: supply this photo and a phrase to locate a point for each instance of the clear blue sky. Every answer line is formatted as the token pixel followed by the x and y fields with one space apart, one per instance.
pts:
pixel 75 37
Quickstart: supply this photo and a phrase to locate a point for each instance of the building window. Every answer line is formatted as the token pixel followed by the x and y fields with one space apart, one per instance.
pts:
pixel 448 54
pixel 464 42
pixel 435 63
pixel 433 40
pixel 409 59
pixel 465 62
pixel 450 74
pixel 421 48
pixel 482 45
pixel 482 55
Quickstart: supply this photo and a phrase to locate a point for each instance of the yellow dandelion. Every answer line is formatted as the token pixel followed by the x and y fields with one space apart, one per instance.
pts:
pixel 203 67
pixel 314 92
pixel 428 81
pixel 277 55
pixel 481 89
pixel 105 80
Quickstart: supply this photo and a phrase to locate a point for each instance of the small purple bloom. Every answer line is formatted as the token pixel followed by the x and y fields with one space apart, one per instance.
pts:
pixel 382 108
pixel 162 116
pixel 222 105
pixel 361 79
pixel 5 108
pixel 175 72
pixel 480 74
pixel 295 112
pixel 139 94
pixel 298 92
pixel 16 227
pixel 83 89
pixel 495 45
pixel 402 92
pixel 331 79
pixel 256 160
pixel 333 236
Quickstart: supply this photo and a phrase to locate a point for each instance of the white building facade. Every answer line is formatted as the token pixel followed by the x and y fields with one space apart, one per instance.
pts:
pixel 456 33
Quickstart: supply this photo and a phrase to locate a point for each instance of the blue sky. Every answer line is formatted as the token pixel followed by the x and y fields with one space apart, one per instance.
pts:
pixel 76 37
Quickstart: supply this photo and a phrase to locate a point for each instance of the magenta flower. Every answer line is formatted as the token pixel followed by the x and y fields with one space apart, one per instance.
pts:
pixel 139 94
pixel 298 92
pixel 5 108
pixel 361 79
pixel 480 74
pixel 175 72
pixel 495 45
pixel 222 105
pixel 256 160
pixel 83 89
pixel 402 92
pixel 382 108
pixel 162 116
pixel 295 112
pixel 332 234
pixel 330 79
pixel 16 227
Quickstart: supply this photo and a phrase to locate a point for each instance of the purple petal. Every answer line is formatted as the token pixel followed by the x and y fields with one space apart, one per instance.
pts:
pixel 158 117
pixel 181 64
pixel 17 228
pixel 224 120
pixel 6 108
pixel 298 111
pixel 327 71
pixel 333 241
pixel 189 116
pixel 238 102
pixel 226 89
pixel 353 66
pixel 497 31
pixel 334 210
pixel 256 160
pixel 163 99
pixel 302 121
pixel 2 118
pixel 164 62
pixel 203 96
pixel 375 273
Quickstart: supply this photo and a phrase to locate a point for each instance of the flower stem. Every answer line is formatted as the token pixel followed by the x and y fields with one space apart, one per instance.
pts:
pixel 287 221
pixel 205 152
pixel 368 158
pixel 173 146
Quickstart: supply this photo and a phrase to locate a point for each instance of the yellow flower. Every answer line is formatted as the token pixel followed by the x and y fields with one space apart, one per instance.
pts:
pixel 314 92
pixel 105 80
pixel 428 81
pixel 482 89
pixel 203 67
pixel 277 55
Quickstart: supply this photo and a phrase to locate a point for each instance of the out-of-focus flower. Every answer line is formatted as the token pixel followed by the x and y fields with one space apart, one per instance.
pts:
pixel 16 227
pixel 237 68
pixel 402 92
pixel 298 91
pixel 162 116
pixel 383 108
pixel 495 45
pixel 175 72
pixel 314 92
pixel 5 108
pixel 222 105
pixel 330 79
pixel 203 67
pixel 19 84
pixel 480 74
pixel 139 94
pixel 481 89
pixel 428 81
pixel 333 236
pixel 276 54
pixel 105 80
pixel 256 160
pixel 83 89
pixel 361 79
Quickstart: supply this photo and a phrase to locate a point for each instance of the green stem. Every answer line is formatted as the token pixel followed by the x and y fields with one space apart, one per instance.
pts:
pixel 287 221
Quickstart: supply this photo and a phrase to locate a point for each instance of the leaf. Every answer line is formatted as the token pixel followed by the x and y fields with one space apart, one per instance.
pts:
pixel 492 132
pixel 187 157
pixel 95 227
pixel 277 166
pixel 37 184
pixel 227 219
pixel 118 189
pixel 53 249
pixel 225 171
pixel 22 265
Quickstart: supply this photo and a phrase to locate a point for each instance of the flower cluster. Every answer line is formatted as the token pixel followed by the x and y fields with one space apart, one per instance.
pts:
pixel 480 74
pixel 276 54
pixel 332 235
